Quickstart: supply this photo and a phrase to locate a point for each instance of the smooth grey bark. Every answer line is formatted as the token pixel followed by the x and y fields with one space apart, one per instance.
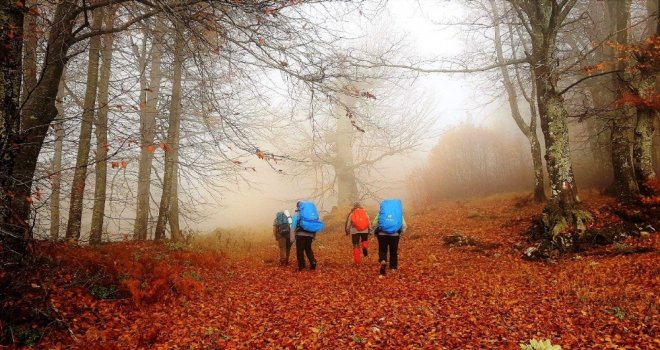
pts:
pixel 101 131
pixel 171 155
pixel 56 166
pixel 529 130
pixel 82 159
pixel 623 119
pixel 147 133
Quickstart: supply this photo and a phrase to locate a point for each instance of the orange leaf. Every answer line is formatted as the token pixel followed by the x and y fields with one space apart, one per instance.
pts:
pixel 150 149
pixel 123 164
pixel 115 165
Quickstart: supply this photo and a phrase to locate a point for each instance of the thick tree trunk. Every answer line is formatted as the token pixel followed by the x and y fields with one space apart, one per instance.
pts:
pixel 562 212
pixel 56 168
pixel 11 41
pixel 528 130
pixel 646 115
pixel 101 130
pixel 82 159
pixel 20 161
pixel 347 192
pixel 29 56
pixel 625 183
pixel 147 132
pixel 169 186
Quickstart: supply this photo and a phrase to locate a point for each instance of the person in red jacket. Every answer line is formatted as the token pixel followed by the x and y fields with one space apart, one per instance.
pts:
pixel 358 225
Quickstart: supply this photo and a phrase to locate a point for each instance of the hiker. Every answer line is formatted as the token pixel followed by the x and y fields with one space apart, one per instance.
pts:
pixel 306 224
pixel 282 232
pixel 389 225
pixel 358 226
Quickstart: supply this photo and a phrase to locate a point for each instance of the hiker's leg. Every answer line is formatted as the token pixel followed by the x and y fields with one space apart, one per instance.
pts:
pixel 300 252
pixel 394 252
pixel 356 248
pixel 281 243
pixel 310 252
pixel 288 249
pixel 382 248
pixel 365 243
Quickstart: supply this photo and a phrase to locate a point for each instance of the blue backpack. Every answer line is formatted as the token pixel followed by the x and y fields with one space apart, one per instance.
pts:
pixel 309 217
pixel 390 216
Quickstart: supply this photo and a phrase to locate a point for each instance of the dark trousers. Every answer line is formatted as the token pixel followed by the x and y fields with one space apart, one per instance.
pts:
pixel 304 247
pixel 386 242
pixel 359 239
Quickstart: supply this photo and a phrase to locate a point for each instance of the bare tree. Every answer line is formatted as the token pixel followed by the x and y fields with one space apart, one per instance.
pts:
pixel 529 130
pixel 101 131
pixel 542 20
pixel 84 143
pixel 147 132
pixel 172 149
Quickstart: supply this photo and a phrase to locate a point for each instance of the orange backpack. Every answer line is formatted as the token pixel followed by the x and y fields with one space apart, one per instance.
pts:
pixel 359 219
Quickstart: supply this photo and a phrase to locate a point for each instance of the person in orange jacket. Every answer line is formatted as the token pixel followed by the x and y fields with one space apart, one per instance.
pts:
pixel 358 225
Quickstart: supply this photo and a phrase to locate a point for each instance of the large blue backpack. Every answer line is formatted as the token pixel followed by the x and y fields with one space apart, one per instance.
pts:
pixel 390 216
pixel 309 217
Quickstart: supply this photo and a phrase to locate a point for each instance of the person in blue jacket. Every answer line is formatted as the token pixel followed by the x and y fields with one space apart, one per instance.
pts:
pixel 305 224
pixel 389 225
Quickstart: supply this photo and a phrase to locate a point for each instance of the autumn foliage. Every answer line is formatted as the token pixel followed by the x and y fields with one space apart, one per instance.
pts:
pixel 478 295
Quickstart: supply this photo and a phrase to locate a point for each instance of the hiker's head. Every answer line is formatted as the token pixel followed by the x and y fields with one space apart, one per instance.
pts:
pixel 298 206
pixel 357 205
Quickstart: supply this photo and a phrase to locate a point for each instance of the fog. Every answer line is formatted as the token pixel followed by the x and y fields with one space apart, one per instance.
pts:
pixel 256 199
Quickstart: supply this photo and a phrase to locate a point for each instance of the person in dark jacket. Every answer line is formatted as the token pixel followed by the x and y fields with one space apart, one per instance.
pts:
pixel 388 240
pixel 304 240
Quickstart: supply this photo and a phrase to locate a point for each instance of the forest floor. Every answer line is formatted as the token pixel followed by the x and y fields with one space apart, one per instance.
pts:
pixel 483 296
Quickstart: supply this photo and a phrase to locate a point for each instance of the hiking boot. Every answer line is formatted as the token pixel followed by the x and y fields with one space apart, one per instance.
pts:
pixel 365 252
pixel 393 270
pixel 383 267
pixel 312 266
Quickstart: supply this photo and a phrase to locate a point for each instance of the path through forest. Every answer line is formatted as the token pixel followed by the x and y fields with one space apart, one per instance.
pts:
pixel 469 297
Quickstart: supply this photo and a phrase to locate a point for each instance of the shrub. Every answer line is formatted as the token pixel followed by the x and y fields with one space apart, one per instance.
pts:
pixel 539 345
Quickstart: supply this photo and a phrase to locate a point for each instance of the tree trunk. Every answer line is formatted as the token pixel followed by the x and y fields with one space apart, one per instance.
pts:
pixel 625 183
pixel 56 168
pixel 11 40
pixel 347 192
pixel 82 159
pixel 19 161
pixel 169 186
pixel 147 132
pixel 562 212
pixel 101 130
pixel 528 130
pixel 29 56
pixel 646 115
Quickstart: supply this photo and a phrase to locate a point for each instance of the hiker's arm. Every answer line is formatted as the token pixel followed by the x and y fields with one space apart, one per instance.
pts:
pixel 404 227
pixel 374 225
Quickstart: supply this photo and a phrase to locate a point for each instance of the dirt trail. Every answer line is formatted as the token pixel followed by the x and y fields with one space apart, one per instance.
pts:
pixel 441 298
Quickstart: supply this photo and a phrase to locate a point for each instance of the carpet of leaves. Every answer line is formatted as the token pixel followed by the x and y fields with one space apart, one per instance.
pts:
pixel 441 298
